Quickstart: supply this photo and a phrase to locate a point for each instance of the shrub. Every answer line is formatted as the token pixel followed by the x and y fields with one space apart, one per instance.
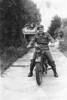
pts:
pixel 55 23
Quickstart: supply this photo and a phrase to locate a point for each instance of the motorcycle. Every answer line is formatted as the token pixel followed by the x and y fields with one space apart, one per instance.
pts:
pixel 40 66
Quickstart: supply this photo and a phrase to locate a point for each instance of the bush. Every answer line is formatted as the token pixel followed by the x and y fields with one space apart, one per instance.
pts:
pixel 10 55
pixel 14 14
pixel 55 23
pixel 62 47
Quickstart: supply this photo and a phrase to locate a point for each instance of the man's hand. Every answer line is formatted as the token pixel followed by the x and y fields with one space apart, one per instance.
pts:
pixel 51 44
pixel 28 46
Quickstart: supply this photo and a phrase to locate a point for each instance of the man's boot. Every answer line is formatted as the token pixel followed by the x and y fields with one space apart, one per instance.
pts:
pixel 45 69
pixel 31 68
pixel 54 69
pixel 55 72
pixel 30 74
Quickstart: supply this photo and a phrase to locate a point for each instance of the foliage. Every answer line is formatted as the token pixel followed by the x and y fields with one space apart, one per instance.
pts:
pixel 10 55
pixel 55 23
pixel 14 15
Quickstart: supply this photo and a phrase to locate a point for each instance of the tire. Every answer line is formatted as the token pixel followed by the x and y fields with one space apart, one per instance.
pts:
pixel 38 73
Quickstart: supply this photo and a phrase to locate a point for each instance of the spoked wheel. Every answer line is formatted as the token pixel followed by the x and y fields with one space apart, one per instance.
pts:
pixel 38 73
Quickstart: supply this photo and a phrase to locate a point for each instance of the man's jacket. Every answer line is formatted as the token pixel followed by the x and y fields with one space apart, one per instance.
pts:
pixel 42 40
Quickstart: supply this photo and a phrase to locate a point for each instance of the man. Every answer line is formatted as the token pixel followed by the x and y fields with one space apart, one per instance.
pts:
pixel 42 39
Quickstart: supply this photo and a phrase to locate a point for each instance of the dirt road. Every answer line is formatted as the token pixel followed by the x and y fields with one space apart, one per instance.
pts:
pixel 17 86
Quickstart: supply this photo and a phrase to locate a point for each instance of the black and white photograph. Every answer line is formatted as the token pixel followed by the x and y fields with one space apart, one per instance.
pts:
pixel 33 49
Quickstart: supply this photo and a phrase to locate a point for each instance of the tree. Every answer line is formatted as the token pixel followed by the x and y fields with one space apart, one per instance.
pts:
pixel 14 15
pixel 55 23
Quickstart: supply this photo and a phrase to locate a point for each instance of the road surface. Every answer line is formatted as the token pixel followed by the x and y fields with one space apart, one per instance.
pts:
pixel 17 86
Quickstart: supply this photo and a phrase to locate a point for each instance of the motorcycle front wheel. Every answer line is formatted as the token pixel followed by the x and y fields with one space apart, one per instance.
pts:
pixel 39 73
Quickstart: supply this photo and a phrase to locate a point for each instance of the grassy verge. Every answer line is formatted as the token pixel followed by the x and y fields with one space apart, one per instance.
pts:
pixel 10 55
pixel 65 53
pixel 63 48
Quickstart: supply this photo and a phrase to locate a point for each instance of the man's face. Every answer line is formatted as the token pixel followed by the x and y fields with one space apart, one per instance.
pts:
pixel 41 30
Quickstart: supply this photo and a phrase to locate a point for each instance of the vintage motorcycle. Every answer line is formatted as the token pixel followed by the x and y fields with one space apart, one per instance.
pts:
pixel 41 65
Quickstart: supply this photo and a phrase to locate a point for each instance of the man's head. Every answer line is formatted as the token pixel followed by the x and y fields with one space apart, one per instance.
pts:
pixel 40 28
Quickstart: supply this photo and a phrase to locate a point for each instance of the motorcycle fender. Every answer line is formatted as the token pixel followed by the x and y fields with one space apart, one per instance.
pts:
pixel 38 66
pixel 38 59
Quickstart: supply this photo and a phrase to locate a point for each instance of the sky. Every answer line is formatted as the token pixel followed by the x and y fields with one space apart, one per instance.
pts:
pixel 50 8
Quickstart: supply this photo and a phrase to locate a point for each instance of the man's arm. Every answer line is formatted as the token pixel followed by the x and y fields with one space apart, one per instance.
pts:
pixel 32 42
pixel 50 38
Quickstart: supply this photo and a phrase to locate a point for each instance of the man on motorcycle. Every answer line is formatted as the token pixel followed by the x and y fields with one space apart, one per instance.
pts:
pixel 42 39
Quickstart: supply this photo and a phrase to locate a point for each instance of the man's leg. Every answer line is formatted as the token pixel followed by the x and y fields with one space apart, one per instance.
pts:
pixel 43 59
pixel 51 62
pixel 32 65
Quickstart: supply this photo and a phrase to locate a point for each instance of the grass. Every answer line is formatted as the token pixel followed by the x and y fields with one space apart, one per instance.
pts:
pixel 65 53
pixel 10 55
pixel 63 48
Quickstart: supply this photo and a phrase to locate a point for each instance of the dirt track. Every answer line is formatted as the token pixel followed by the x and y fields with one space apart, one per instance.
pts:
pixel 17 86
